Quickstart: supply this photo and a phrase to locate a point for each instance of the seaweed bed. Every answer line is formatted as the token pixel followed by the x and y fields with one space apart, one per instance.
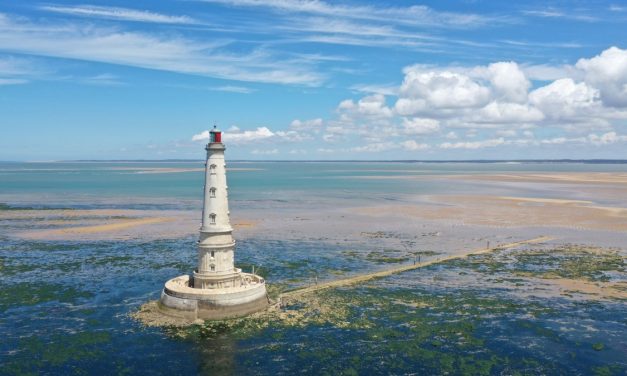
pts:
pixel 63 311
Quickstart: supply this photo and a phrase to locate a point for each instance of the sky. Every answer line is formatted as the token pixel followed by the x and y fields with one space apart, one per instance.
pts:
pixel 313 79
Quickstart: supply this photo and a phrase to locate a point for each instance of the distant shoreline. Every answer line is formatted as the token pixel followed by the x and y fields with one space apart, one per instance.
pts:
pixel 511 161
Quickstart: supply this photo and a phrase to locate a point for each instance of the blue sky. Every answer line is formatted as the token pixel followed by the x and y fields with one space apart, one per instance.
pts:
pixel 307 79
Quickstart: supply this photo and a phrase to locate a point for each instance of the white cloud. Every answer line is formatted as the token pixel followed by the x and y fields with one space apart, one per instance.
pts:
pixel 293 136
pixel 474 144
pixel 471 108
pixel 412 15
pixel 372 106
pixel 423 91
pixel 608 73
pixel 507 113
pixel 243 137
pixel 420 125
pixel 509 82
pixel 606 138
pixel 546 72
pixel 565 99
pixel 150 51
pixel 388 89
pixel 312 124
pixel 558 13
pixel 265 152
pixel 12 81
pixel 506 133
pixel 412 145
pixel 374 147
pixel 202 136
pixel 115 13
pixel 233 89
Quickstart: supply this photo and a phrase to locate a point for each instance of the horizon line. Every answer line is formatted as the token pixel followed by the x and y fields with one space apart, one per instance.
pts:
pixel 562 160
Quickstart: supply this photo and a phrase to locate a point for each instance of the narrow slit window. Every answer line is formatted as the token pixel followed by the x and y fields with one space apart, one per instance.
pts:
pixel 212 192
pixel 212 253
pixel 212 169
pixel 213 268
pixel 212 217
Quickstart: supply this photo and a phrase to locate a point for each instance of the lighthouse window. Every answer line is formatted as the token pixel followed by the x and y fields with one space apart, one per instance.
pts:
pixel 213 218
pixel 212 169
pixel 212 253
pixel 213 268
pixel 212 192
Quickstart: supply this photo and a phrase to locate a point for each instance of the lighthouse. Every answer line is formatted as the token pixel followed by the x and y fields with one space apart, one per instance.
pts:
pixel 216 289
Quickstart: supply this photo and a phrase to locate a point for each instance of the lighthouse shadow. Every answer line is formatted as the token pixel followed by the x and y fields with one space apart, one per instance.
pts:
pixel 216 356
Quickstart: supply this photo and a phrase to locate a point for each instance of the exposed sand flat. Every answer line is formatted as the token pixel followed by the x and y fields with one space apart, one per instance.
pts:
pixel 510 212
pixel 109 224
pixel 572 177
pixel 545 200
pixel 61 213
pixel 618 179
pixel 115 226
pixel 244 224
pixel 602 290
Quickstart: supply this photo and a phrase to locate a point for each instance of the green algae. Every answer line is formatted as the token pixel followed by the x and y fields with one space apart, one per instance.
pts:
pixel 28 294
pixel 56 352
pixel 110 260
pixel 568 261
pixel 8 268
pixel 422 329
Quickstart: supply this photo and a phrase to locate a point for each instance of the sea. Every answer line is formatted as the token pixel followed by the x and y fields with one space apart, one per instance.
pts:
pixel 65 305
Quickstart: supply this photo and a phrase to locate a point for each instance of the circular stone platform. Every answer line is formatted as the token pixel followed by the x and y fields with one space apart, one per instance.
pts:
pixel 180 300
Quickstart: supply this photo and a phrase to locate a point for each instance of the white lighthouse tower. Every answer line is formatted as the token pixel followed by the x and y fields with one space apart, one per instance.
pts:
pixel 216 289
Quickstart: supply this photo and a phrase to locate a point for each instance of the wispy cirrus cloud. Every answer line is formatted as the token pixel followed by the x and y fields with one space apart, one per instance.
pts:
pixel 17 70
pixel 156 51
pixel 233 89
pixel 558 13
pixel 116 13
pixel 412 15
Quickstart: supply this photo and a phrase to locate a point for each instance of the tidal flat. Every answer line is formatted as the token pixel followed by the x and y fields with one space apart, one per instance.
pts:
pixel 83 249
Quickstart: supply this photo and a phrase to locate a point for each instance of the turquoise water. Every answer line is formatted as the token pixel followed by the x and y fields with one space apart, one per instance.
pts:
pixel 64 305
pixel 89 183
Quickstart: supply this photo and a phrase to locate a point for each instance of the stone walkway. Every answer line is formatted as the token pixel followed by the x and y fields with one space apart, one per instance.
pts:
pixel 366 277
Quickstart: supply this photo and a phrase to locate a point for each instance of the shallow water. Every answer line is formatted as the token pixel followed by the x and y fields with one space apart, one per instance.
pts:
pixel 64 304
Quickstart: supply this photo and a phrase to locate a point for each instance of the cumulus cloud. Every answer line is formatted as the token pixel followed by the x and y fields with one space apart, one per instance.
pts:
pixel 565 98
pixel 371 106
pixel 474 144
pixel 606 138
pixel 420 125
pixel 509 82
pixel 608 73
pixel 472 108
pixel 265 152
pixel 507 113
pixel 422 91
pixel 412 145
pixel 375 147
pixel 313 124
pixel 202 136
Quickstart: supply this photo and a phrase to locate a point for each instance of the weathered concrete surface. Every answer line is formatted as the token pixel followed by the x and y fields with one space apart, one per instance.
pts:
pixel 180 300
